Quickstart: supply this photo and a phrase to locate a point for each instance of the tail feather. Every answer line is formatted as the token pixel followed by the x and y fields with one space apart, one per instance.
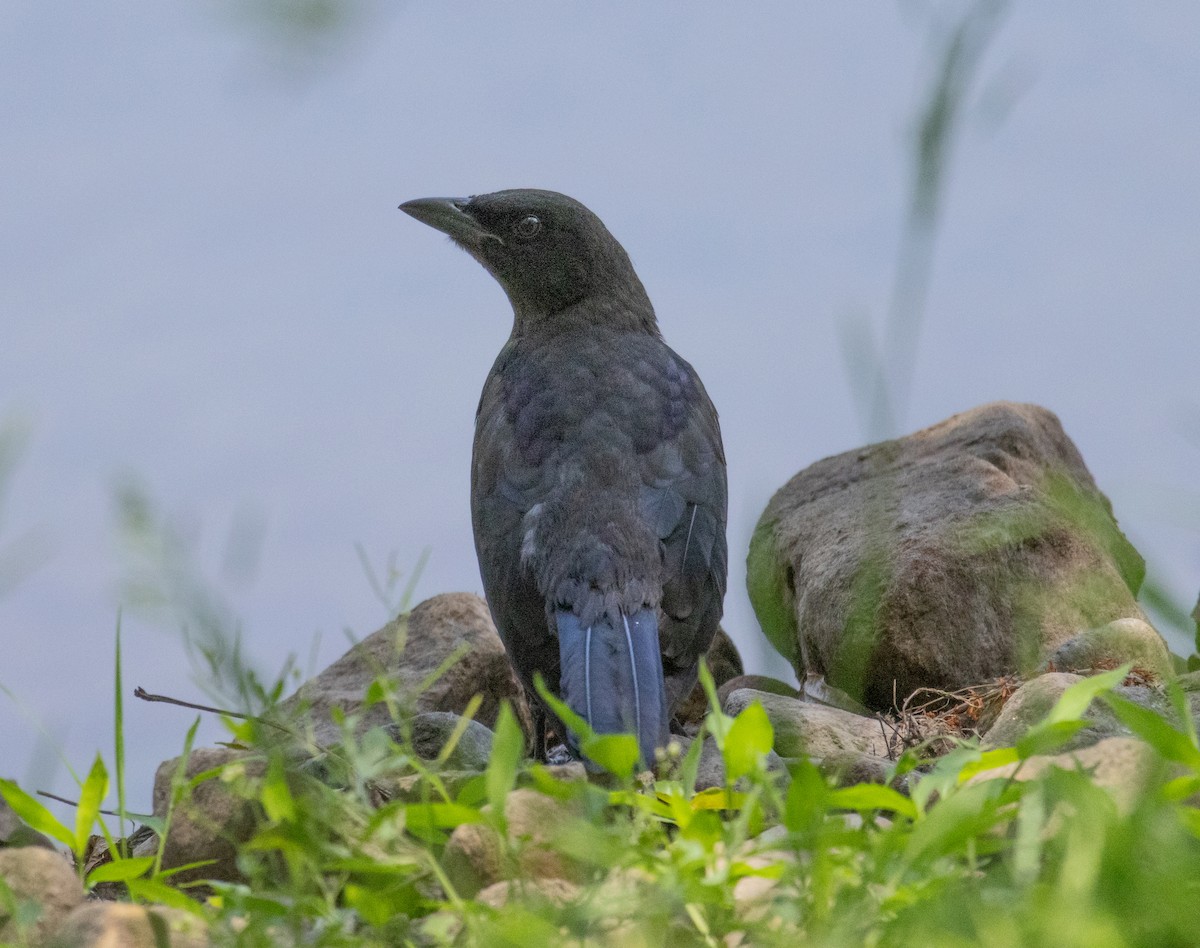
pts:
pixel 611 675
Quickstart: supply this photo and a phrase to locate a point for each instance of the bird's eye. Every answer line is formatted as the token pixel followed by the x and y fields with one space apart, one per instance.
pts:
pixel 527 227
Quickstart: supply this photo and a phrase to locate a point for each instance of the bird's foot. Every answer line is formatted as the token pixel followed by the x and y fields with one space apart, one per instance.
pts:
pixel 559 754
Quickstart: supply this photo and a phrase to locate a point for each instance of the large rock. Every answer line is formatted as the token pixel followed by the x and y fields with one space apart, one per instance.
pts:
pixel 14 833
pixel 34 874
pixel 120 925
pixel 1125 766
pixel 476 857
pixel 1029 705
pixel 710 769
pixel 211 822
pixel 1121 641
pixel 408 651
pixel 965 551
pixel 810 729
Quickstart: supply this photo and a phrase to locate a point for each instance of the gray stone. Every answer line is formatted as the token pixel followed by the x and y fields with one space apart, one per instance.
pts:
pixel 1112 645
pixel 765 683
pixel 475 857
pixel 14 833
pixel 1030 704
pixel 847 768
pixel 41 876
pixel 813 730
pixel 947 558
pixel 210 822
pixel 551 890
pixel 1190 682
pixel 1122 765
pixel 710 772
pixel 121 925
pixel 431 730
pixel 407 651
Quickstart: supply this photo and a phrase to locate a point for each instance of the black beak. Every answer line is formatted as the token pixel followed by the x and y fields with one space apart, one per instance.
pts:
pixel 450 217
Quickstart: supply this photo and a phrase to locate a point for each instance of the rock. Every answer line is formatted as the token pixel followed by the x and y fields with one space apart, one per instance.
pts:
pixel 212 821
pixel 41 876
pixel 724 663
pixel 1031 703
pixel 813 730
pixel 556 891
pixel 710 772
pixel 953 556
pixel 752 893
pixel 1122 765
pixel 121 925
pixel 410 649
pixel 1112 645
pixel 416 788
pixel 15 834
pixel 847 768
pixel 431 730
pixel 475 857
pixel 1190 682
pixel 772 686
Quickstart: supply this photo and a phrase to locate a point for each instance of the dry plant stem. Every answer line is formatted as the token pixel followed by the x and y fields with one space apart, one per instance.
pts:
pixel 57 799
pixel 140 692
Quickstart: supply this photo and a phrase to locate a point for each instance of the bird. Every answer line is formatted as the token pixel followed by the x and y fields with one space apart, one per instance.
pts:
pixel 598 476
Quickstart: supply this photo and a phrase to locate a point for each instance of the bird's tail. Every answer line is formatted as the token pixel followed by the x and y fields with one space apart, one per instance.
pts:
pixel 611 675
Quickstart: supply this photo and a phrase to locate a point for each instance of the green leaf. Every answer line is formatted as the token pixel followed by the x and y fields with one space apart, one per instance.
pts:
pixel 95 786
pixel 460 727
pixel 441 815
pixel 960 817
pixel 33 814
pixel 152 891
pixel 1074 702
pixel 1047 736
pixel 717 798
pixel 807 797
pixel 508 747
pixel 750 738
pixel 616 753
pixel 1150 727
pixel 988 760
pixel 378 905
pixel 276 795
pixel 873 796
pixel 689 768
pixel 561 709
pixel 120 870
pixel 378 692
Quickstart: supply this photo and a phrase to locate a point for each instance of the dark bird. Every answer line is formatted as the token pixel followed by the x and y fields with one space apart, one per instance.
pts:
pixel 598 476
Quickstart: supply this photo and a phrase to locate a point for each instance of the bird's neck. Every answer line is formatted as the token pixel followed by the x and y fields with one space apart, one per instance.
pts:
pixel 628 311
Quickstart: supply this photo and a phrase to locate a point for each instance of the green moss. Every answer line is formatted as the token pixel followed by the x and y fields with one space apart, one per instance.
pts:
pixel 768 582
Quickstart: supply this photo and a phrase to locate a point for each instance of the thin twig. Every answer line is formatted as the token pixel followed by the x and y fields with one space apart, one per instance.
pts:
pixel 75 803
pixel 140 692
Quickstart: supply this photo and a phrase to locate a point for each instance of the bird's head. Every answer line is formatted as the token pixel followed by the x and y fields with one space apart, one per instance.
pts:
pixel 548 251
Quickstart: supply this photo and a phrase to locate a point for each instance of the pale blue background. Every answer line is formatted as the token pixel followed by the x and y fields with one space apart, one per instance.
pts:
pixel 205 283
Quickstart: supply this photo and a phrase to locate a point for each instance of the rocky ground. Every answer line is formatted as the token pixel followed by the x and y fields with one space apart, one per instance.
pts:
pixel 945 587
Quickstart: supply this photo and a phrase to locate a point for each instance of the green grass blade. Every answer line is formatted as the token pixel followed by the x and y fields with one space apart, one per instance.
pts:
pixel 34 815
pixel 508 747
pixel 91 794
pixel 750 738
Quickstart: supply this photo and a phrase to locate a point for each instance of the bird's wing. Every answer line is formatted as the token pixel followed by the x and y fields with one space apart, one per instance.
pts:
pixel 683 495
pixel 506 481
